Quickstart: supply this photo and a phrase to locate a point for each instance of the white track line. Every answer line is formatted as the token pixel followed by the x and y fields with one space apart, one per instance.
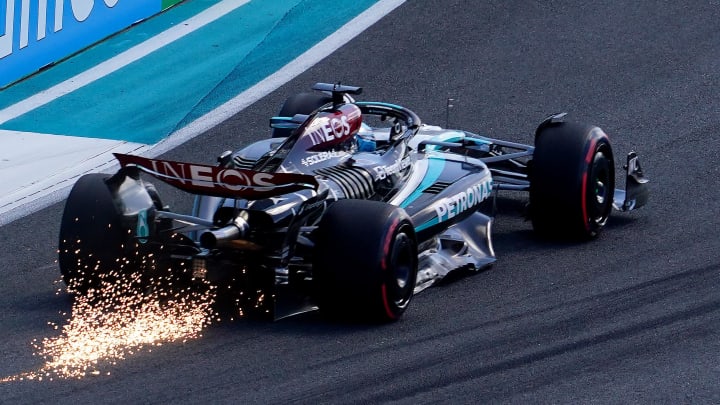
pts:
pixel 119 61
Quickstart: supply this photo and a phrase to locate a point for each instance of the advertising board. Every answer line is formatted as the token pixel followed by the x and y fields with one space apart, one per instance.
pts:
pixel 36 33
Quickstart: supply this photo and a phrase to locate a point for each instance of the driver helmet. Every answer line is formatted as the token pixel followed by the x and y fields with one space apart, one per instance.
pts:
pixel 365 138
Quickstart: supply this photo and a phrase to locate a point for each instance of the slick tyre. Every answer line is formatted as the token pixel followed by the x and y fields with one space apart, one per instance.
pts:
pixel 93 241
pixel 572 181
pixel 365 264
pixel 302 103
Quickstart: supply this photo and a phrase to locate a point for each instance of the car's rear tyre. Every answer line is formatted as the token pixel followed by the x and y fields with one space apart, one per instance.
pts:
pixel 301 103
pixel 94 243
pixel 572 181
pixel 365 264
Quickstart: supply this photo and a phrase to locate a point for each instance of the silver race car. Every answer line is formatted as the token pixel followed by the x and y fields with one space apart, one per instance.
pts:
pixel 350 207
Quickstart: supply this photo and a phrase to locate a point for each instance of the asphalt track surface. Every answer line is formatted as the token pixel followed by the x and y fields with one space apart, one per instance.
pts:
pixel 633 316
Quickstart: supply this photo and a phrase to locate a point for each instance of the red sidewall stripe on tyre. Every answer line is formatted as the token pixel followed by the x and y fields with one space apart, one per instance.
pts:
pixel 594 138
pixel 588 159
pixel 384 266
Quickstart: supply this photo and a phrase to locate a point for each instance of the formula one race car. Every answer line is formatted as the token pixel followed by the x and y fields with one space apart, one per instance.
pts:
pixel 336 213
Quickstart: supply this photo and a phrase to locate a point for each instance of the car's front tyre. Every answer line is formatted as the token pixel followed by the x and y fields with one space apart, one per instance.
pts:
pixel 572 181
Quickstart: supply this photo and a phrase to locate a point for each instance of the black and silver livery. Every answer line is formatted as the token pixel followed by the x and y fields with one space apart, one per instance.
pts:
pixel 350 207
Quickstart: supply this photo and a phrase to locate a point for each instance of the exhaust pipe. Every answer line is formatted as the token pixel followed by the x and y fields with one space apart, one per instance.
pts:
pixel 238 229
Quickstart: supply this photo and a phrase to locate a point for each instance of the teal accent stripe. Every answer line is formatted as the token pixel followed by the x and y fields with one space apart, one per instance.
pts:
pixel 383 104
pixel 435 168
pixel 283 123
pixel 427 224
pixel 446 137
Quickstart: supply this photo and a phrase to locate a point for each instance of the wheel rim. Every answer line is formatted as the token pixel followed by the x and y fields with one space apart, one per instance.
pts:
pixel 600 190
pixel 402 264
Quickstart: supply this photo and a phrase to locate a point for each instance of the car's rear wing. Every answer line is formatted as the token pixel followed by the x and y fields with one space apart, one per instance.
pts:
pixel 219 181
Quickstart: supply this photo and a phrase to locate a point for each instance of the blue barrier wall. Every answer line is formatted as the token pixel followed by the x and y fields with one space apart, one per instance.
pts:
pixel 35 33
